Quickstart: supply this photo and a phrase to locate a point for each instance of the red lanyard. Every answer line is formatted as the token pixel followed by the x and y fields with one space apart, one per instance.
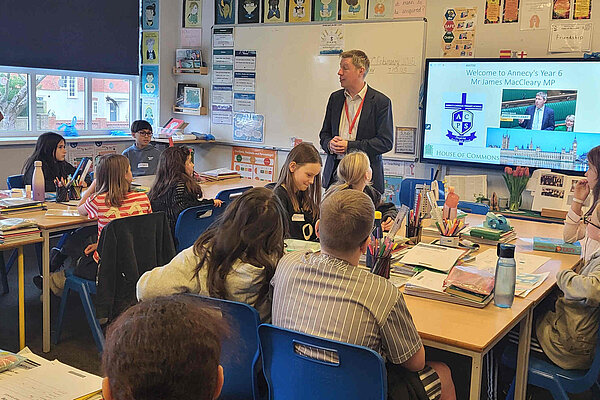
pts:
pixel 355 115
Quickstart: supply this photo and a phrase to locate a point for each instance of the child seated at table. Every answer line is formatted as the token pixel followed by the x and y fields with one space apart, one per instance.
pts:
pixel 142 155
pixel 234 259
pixel 51 150
pixel 175 188
pixel 354 172
pixel 108 197
pixel 568 334
pixel 299 190
pixel 166 348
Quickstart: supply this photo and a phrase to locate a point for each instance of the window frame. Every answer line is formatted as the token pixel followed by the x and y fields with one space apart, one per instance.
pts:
pixel 32 73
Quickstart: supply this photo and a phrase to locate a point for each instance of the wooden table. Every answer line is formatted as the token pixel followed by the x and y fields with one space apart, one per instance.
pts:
pixel 473 332
pixel 21 281
pixel 210 189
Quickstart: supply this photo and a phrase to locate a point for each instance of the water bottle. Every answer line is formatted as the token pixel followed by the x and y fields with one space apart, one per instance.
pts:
pixel 39 184
pixel 506 273
pixel 378 232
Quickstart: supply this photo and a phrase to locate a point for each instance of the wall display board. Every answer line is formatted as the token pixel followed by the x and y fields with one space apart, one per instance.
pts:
pixel 293 81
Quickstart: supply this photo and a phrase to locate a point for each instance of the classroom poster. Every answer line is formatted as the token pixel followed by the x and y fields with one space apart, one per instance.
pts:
pixel 409 8
pixel 561 9
pixel 274 11
pixel 406 141
pixel 222 74
pixel 244 102
pixel 492 12
pixel 190 37
pixel 582 9
pixel 149 78
pixel 391 191
pixel 511 11
pixel 192 14
pixel 299 11
pixel 353 10
pixel 222 94
pixel 326 10
pixel 332 39
pixel 248 127
pixel 244 81
pixel 223 56
pixel 570 37
pixel 91 150
pixel 259 164
pixel 245 60
pixel 381 9
pixel 224 12
pixel 150 110
pixel 150 10
pixel 149 47
pixel 222 37
pixel 248 11
pixel 222 114
pixel 535 14
pixel 459 36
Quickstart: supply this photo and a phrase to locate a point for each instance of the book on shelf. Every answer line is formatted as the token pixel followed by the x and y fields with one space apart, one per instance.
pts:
pixel 188 58
pixel 556 245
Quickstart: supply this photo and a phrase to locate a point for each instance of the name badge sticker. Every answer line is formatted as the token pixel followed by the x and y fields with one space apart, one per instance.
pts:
pixel 145 165
pixel 298 218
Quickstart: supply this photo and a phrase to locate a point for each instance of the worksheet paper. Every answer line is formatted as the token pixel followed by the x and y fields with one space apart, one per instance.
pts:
pixel 526 263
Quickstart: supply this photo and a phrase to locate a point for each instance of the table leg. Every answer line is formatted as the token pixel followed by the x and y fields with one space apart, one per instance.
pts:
pixel 46 291
pixel 523 355
pixel 21 298
pixel 476 361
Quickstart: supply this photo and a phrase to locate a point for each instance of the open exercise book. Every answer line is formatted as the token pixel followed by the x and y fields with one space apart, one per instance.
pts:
pixel 38 378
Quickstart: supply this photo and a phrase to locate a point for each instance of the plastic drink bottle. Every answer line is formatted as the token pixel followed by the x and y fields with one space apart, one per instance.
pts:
pixel 506 273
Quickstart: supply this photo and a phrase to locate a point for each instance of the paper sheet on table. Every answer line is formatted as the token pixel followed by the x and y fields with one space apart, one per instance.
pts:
pixel 428 280
pixel 49 380
pixel 526 263
pixel 467 187
pixel 525 283
pixel 431 256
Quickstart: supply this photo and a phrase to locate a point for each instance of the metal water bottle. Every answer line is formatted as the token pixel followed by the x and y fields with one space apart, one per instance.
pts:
pixel 39 184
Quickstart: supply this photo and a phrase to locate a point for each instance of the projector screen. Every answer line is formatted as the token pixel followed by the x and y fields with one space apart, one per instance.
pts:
pixel 534 112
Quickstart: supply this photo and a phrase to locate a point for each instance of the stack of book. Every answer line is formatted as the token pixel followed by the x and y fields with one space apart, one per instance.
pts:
pixel 15 205
pixel 219 174
pixel 17 229
pixel 470 283
pixel 556 245
pixel 484 235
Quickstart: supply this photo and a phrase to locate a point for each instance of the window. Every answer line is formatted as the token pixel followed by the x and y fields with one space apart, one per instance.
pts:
pixel 114 96
pixel 14 101
pixel 62 107
pixel 34 101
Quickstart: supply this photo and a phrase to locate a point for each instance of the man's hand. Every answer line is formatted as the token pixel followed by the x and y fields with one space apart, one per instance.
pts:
pixel 338 145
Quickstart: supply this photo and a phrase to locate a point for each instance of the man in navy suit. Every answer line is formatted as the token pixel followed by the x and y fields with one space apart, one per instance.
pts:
pixel 542 117
pixel 358 117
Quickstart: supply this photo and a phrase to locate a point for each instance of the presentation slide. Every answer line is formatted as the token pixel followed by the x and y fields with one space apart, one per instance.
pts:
pixel 531 113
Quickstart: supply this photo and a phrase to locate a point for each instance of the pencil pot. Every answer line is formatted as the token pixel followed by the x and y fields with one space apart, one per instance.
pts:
pixel 413 233
pixel 449 241
pixel 62 194
pixel 75 192
pixel 382 267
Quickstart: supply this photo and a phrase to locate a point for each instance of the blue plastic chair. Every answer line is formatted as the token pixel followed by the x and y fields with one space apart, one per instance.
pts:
pixel 408 189
pixel 15 182
pixel 359 373
pixel 240 354
pixel 551 377
pixel 191 223
pixel 85 288
pixel 228 195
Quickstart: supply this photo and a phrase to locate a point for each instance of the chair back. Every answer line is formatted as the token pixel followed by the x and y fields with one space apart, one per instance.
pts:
pixel 240 353
pixel 15 182
pixel 228 195
pixel 191 223
pixel 271 185
pixel 359 372
pixel 408 188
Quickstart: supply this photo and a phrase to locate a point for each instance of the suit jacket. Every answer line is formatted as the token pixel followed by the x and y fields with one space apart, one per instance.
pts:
pixel 374 135
pixel 547 119
pixel 129 247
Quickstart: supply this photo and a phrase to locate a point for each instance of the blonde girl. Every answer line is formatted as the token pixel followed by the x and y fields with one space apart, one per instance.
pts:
pixel 354 172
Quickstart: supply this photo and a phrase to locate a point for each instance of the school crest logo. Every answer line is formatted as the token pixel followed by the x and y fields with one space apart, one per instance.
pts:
pixel 462 120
